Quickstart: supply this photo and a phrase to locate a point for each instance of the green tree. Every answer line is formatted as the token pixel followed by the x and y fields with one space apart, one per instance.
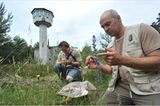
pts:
pixel 36 45
pixel 5 40
pixel 21 49
pixel 156 24
pixel 17 51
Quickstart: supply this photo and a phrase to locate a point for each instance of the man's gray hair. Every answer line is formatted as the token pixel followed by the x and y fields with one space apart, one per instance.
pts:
pixel 114 13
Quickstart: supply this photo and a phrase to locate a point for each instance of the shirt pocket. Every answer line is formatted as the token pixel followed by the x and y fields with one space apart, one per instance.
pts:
pixel 143 84
pixel 155 81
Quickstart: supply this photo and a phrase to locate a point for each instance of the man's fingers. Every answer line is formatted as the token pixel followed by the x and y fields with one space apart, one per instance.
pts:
pixel 106 54
pixel 102 54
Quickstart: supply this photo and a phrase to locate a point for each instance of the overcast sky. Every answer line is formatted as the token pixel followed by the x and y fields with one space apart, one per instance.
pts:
pixel 76 20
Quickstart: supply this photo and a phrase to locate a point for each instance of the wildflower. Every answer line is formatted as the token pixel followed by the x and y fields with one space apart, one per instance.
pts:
pixel 38 76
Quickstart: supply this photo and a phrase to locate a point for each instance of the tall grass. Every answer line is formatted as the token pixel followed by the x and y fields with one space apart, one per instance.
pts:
pixel 20 86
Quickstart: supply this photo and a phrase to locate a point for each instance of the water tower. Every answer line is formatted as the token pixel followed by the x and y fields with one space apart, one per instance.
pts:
pixel 42 18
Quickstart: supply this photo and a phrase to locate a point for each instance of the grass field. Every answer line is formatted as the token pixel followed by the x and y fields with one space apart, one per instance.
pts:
pixel 19 85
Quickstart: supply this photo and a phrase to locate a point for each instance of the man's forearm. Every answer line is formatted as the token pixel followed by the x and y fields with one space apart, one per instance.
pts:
pixel 144 63
pixel 105 68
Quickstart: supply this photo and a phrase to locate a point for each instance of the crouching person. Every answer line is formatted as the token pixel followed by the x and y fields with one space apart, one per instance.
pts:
pixel 68 63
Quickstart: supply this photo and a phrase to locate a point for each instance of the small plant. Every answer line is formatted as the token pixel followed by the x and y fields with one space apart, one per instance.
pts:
pixel 31 84
pixel 38 76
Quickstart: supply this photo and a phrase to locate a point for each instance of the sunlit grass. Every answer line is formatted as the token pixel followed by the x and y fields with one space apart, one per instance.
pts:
pixel 19 85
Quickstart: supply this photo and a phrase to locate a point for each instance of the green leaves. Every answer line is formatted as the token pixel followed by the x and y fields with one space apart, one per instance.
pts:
pixel 156 24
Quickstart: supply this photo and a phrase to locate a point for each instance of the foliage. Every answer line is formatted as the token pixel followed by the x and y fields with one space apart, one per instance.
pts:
pixel 36 45
pixel 5 40
pixel 20 49
pixel 86 51
pixel 4 24
pixel 19 86
pixel 15 50
pixel 156 24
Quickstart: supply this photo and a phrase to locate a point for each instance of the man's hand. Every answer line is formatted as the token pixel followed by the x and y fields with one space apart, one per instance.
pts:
pixel 63 62
pixel 68 62
pixel 90 62
pixel 112 57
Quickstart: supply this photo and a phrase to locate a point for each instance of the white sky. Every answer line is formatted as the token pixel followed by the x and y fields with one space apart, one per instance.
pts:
pixel 76 20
